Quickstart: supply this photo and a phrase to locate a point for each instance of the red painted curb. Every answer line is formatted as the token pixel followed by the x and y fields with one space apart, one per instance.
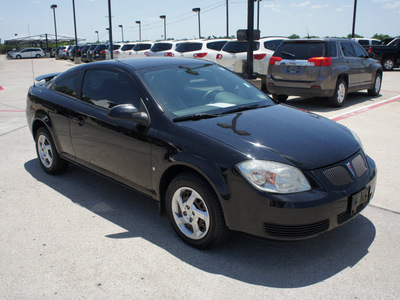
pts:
pixel 1 88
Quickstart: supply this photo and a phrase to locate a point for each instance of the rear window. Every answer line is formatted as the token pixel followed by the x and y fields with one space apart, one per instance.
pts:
pixel 127 47
pixel 161 47
pixel 92 47
pixel 188 47
pixel 306 50
pixel 216 45
pixel 239 47
pixel 140 47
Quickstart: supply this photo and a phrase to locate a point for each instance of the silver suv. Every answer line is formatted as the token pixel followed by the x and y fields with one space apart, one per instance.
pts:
pixel 322 68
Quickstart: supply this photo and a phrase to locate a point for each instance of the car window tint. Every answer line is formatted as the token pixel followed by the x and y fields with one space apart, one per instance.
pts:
pixel 375 42
pixel 363 42
pixel 331 49
pixel 106 88
pixel 300 50
pixel 67 86
pixel 216 45
pixel 359 51
pixel 127 47
pixel 272 45
pixel 140 47
pixel 239 47
pixel 348 49
pixel 188 47
pixel 157 47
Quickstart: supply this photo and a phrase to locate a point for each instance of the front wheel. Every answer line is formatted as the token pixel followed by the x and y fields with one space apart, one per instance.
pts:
pixel 18 56
pixel 377 85
pixel 388 64
pixel 47 153
pixel 340 95
pixel 38 56
pixel 195 212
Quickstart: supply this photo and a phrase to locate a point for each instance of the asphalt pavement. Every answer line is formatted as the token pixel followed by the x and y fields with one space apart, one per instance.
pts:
pixel 80 236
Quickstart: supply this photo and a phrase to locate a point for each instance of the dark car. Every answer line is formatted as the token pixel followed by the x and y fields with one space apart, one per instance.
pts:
pixel 388 55
pixel 329 68
pixel 84 52
pixel 213 150
pixel 90 53
pixel 99 53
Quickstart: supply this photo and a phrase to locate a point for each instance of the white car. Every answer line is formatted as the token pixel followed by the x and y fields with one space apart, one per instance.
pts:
pixel 140 49
pixel 116 46
pixel 203 49
pixel 165 48
pixel 234 53
pixel 123 51
pixel 28 53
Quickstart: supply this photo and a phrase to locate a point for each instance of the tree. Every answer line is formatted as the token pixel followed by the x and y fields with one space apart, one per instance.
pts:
pixel 380 36
pixel 355 35
pixel 294 36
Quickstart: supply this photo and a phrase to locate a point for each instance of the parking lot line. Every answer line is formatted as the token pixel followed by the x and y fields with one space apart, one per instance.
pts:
pixel 364 109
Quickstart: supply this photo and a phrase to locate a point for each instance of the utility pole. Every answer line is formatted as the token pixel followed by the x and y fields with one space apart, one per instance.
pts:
pixel 110 30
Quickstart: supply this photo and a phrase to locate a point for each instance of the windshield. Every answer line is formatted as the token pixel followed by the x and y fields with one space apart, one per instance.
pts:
pixel 198 89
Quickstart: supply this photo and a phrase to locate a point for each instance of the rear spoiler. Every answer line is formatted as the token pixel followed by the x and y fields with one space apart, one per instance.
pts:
pixel 47 77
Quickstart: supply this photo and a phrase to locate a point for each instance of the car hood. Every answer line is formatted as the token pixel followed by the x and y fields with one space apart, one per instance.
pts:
pixel 283 134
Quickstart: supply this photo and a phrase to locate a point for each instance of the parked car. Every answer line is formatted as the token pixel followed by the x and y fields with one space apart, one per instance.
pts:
pixel 61 52
pixel 329 68
pixel 234 54
pixel 366 42
pixel 202 49
pixel 116 46
pixel 28 53
pixel 162 49
pixel 99 53
pixel 11 52
pixel 388 55
pixel 90 53
pixel 67 52
pixel 84 52
pixel 140 49
pixel 213 150
pixel 123 52
pixel 75 51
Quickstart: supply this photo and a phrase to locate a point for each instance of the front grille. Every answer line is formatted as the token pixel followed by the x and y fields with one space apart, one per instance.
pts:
pixel 338 176
pixel 359 165
pixel 344 217
pixel 296 231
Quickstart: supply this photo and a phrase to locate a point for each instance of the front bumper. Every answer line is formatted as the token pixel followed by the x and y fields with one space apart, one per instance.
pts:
pixel 300 215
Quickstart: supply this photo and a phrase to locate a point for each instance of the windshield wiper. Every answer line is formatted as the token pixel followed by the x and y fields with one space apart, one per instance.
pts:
pixel 244 107
pixel 288 54
pixel 194 117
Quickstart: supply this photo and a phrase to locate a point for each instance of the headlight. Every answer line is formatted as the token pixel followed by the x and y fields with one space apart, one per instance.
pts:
pixel 274 177
pixel 358 140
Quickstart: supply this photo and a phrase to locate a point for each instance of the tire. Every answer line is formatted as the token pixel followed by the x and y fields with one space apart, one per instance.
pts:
pixel 377 85
pixel 38 56
pixel 280 98
pixel 388 64
pixel 195 212
pixel 46 151
pixel 340 95
pixel 18 56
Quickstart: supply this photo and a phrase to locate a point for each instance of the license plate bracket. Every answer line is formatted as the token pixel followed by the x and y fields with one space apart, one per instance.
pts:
pixel 358 199
pixel 293 69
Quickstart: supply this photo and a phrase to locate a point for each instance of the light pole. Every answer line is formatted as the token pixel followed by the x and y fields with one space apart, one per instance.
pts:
pixel 122 31
pixel 258 13
pixel 97 35
pixel 110 29
pixel 354 19
pixel 140 30
pixel 197 9
pixel 76 35
pixel 164 17
pixel 53 7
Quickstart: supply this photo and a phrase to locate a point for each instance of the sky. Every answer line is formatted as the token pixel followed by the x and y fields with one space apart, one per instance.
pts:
pixel 277 18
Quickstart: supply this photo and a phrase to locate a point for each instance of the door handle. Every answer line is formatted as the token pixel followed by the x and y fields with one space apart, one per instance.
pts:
pixel 79 120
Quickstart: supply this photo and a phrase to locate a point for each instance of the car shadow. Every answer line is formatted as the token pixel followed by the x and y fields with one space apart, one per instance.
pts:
pixel 320 105
pixel 251 260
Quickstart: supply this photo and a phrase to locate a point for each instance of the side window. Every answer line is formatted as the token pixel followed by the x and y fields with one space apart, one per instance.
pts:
pixel 363 42
pixel 272 45
pixel 359 51
pixel 106 88
pixel 347 49
pixel 67 86
pixel 331 49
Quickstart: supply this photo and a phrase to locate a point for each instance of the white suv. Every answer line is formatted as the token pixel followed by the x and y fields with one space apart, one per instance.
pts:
pixel 140 49
pixel 203 49
pixel 234 53
pixel 162 49
pixel 28 53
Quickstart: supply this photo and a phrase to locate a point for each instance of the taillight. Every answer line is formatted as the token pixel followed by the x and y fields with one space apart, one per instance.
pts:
pixel 199 55
pixel 169 54
pixel 147 53
pixel 259 56
pixel 116 52
pixel 274 59
pixel 320 61
pixel 219 56
pixel 370 50
pixel 103 52
pixel 130 53
pixel 64 50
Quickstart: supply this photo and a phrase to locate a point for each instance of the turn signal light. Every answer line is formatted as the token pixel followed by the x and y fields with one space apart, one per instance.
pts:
pixel 320 61
pixel 274 59
pixel 199 55
pixel 259 56
pixel 103 52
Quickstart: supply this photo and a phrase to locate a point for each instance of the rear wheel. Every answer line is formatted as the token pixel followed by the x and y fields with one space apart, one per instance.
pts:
pixel 195 212
pixel 340 95
pixel 377 85
pixel 388 64
pixel 46 151
pixel 280 98
pixel 38 56
pixel 18 56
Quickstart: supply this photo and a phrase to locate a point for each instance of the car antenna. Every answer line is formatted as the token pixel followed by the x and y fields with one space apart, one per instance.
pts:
pixel 308 35
pixel 33 71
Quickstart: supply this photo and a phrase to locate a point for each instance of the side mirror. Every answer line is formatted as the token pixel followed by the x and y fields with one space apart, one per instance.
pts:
pixel 128 112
